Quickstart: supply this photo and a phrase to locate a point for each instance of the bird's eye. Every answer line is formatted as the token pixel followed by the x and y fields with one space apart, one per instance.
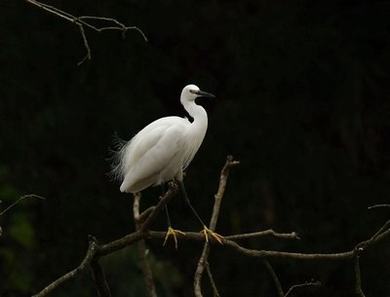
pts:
pixel 192 91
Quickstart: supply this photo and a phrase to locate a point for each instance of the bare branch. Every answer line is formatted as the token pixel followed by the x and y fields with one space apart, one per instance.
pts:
pixel 145 219
pixel 213 223
pixel 275 278
pixel 196 236
pixel 199 270
pixel 221 190
pixel 100 280
pixel 269 232
pixel 378 206
pixel 73 273
pixel 358 280
pixel 113 246
pixel 82 21
pixel 142 251
pixel 20 200
pixel 172 191
pixel 299 286
pixel 142 217
pixel 212 282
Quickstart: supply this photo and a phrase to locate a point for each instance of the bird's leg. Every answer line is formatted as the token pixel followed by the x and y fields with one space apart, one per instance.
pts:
pixel 170 232
pixel 206 231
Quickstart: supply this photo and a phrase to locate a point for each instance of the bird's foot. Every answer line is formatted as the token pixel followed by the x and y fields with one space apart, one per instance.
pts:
pixel 210 233
pixel 173 232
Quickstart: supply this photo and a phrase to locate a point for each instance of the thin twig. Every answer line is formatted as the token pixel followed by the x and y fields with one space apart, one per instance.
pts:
pixel 19 200
pixel 211 279
pixel 269 232
pixel 142 251
pixel 213 223
pixel 275 278
pixel 73 273
pixel 299 286
pixel 82 21
pixel 378 206
pixel 199 270
pixel 385 227
pixel 358 279
pixel 100 280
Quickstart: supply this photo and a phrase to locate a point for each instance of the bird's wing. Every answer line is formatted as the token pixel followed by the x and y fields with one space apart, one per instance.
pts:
pixel 154 148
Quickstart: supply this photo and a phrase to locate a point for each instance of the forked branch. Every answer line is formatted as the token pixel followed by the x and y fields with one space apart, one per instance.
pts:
pixel 83 22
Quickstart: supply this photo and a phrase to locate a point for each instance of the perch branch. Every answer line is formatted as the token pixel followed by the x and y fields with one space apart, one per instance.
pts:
pixel 113 246
pixel 196 236
pixel 83 21
pixel 95 251
pixel 213 223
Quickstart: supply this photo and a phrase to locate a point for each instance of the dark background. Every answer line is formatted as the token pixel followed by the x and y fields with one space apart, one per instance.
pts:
pixel 302 101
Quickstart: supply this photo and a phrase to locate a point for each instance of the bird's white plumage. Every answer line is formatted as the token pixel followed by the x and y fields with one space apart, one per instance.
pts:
pixel 161 150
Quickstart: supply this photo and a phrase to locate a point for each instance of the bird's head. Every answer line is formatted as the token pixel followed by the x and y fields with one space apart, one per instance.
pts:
pixel 191 92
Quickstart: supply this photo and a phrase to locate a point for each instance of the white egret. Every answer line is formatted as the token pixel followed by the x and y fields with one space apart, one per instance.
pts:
pixel 162 150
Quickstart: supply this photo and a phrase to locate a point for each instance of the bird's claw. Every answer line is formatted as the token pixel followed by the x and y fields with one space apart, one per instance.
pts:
pixel 173 232
pixel 208 232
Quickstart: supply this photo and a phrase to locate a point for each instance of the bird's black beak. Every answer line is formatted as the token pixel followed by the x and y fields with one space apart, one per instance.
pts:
pixel 203 94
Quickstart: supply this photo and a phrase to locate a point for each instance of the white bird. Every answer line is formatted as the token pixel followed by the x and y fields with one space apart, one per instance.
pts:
pixel 163 149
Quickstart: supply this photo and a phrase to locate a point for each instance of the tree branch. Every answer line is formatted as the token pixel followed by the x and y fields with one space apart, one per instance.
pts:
pixel 17 202
pixel 196 236
pixel 91 252
pixel 212 282
pixel 378 206
pixel 145 219
pixel 358 280
pixel 275 278
pixel 100 280
pixel 142 251
pixel 96 252
pixel 307 284
pixel 268 232
pixel 83 21
pixel 213 223
pixel 172 191
pixel 20 200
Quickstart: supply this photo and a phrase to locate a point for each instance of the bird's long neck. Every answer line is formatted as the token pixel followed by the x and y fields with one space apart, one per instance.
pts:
pixel 199 114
